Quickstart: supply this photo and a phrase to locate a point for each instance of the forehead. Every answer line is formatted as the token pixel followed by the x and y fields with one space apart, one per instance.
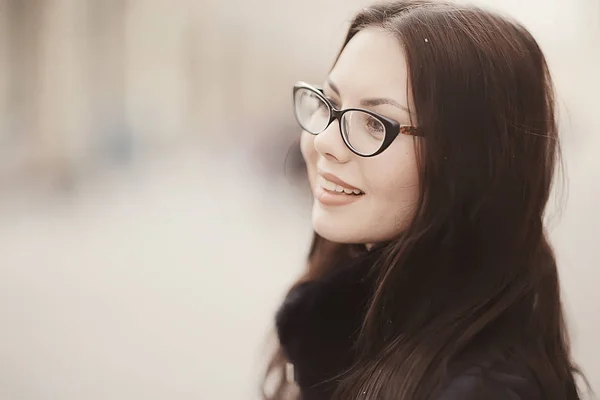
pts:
pixel 372 65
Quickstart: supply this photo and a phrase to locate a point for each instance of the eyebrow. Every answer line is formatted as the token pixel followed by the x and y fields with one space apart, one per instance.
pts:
pixel 373 102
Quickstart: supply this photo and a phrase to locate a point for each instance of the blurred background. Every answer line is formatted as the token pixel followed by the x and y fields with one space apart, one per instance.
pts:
pixel 153 208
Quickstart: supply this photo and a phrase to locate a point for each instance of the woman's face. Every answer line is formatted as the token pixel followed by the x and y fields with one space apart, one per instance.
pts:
pixel 372 66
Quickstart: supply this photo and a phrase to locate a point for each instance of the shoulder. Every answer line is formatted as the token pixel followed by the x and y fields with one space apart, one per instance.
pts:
pixel 491 383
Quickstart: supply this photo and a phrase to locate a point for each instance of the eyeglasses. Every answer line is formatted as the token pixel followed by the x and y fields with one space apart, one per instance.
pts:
pixel 365 132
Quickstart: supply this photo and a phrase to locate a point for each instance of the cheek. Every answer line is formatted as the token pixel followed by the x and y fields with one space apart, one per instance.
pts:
pixel 394 178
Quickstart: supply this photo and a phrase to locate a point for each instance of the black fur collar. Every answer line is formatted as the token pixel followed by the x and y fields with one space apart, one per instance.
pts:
pixel 319 321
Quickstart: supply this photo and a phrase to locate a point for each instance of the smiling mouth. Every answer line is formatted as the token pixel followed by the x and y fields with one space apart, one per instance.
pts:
pixel 334 188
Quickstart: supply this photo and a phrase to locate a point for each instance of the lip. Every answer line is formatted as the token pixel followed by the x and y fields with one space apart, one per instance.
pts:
pixel 327 198
pixel 337 180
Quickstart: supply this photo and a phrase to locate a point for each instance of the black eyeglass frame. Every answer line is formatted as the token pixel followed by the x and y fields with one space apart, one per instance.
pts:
pixel 392 127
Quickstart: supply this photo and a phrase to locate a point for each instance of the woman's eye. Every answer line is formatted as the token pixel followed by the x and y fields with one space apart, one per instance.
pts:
pixel 374 125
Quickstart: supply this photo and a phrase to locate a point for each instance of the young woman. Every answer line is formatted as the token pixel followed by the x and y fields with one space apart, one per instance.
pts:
pixel 430 148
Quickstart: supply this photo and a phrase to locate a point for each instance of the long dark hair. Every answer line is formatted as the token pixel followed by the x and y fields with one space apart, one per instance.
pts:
pixel 474 274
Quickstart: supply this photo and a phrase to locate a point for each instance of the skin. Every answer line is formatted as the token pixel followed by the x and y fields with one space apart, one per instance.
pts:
pixel 372 65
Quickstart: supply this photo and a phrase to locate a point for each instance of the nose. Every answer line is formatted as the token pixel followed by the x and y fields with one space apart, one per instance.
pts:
pixel 330 144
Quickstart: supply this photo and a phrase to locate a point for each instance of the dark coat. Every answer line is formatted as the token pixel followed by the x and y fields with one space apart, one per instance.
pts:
pixel 317 325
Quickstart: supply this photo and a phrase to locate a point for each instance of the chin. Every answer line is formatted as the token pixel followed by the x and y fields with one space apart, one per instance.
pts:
pixel 342 228
pixel 338 231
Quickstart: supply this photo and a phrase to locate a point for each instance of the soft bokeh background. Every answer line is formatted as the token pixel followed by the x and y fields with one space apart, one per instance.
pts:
pixel 153 209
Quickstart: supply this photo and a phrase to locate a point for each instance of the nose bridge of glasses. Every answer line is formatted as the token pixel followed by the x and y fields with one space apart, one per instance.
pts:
pixel 332 135
pixel 336 114
pixel 334 122
pixel 330 142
